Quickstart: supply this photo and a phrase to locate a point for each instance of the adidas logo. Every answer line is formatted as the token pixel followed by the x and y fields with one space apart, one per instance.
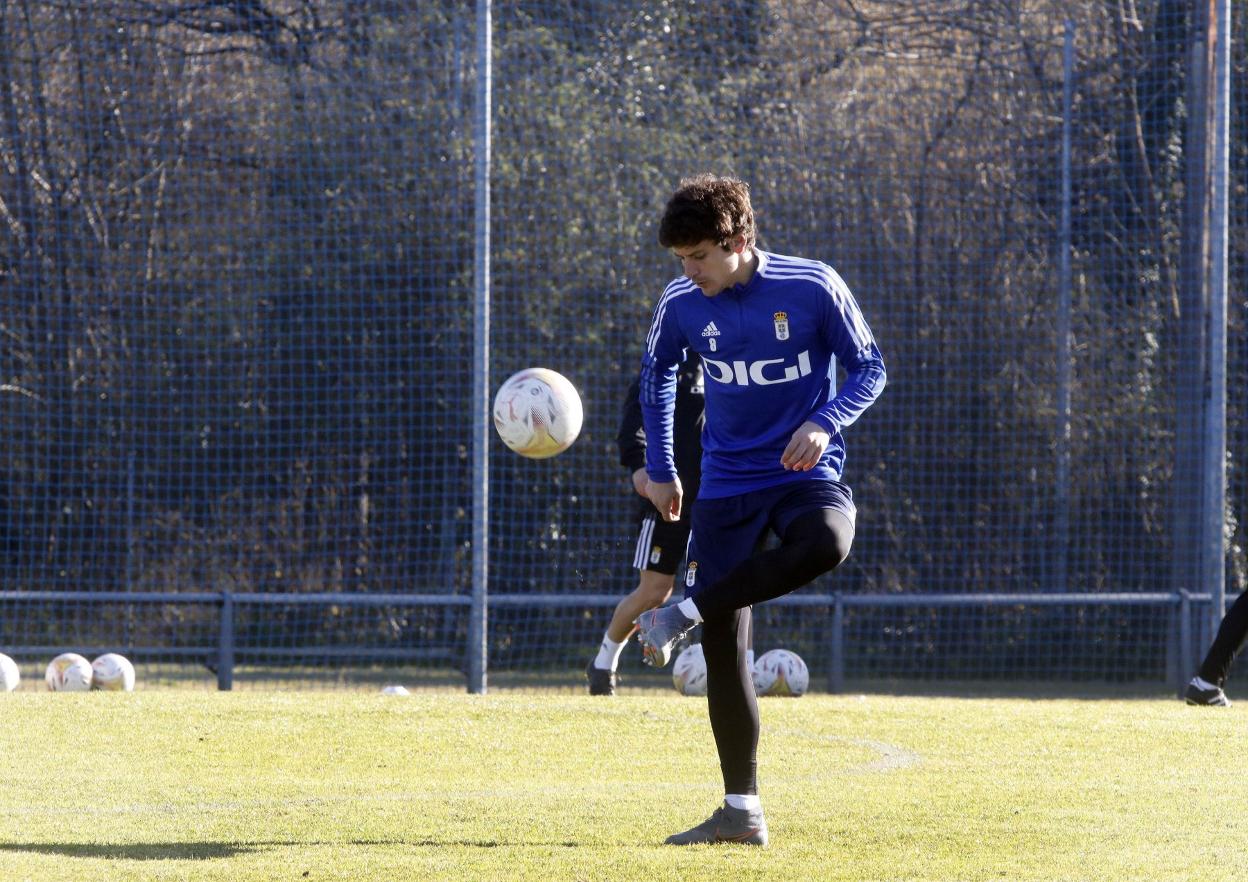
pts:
pixel 710 330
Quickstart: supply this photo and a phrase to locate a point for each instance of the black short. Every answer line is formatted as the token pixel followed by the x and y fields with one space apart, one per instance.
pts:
pixel 729 528
pixel 661 544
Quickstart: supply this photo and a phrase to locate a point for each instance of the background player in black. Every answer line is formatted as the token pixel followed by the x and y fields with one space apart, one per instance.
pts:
pixel 660 544
pixel 1206 686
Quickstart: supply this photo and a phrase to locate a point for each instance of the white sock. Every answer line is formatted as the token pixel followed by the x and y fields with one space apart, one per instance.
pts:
pixel 690 609
pixel 747 801
pixel 749 658
pixel 608 654
pixel 1202 684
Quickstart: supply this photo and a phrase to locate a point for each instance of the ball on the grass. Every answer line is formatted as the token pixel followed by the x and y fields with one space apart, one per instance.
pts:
pixel 10 676
pixel 112 672
pixel 68 672
pixel 780 672
pixel 689 671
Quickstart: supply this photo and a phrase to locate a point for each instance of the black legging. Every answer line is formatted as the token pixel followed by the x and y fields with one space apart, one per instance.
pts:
pixel 1227 643
pixel 812 545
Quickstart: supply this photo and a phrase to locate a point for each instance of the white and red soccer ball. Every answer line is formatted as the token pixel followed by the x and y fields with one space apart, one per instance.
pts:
pixel 112 672
pixel 538 413
pixel 68 672
pixel 689 671
pixel 10 676
pixel 781 672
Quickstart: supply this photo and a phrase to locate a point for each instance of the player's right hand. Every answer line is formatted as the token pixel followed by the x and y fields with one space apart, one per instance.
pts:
pixel 806 447
pixel 640 480
pixel 666 498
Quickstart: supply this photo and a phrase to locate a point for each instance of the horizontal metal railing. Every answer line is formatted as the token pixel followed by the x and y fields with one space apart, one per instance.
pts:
pixel 1187 630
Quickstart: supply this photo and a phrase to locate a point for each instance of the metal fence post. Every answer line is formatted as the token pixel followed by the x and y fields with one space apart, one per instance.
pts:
pixel 478 624
pixel 836 671
pixel 1185 639
pixel 1064 367
pixel 1173 664
pixel 225 644
pixel 1213 535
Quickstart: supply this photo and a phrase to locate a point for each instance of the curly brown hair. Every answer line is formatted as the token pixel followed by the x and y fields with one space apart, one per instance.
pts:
pixel 707 207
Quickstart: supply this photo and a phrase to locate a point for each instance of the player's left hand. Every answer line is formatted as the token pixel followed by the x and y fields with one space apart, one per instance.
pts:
pixel 806 447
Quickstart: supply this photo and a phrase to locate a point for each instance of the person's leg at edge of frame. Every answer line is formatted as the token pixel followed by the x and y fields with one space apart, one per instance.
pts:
pixel 1206 688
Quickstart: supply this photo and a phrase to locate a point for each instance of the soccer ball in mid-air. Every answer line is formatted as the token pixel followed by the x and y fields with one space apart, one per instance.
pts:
pixel 112 672
pixel 780 672
pixel 68 672
pixel 537 413
pixel 689 671
pixel 10 676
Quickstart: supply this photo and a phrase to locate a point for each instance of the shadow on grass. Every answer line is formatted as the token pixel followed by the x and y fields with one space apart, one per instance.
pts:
pixel 205 851
pixel 141 851
pixel 1023 689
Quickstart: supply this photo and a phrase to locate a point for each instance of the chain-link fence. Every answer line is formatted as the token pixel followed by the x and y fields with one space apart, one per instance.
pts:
pixel 237 291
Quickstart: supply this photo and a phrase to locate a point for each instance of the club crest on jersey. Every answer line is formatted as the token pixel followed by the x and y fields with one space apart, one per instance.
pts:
pixel 691 573
pixel 655 554
pixel 710 332
pixel 781 321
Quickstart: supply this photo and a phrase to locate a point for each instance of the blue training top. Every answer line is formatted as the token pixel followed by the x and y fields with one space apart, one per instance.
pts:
pixel 769 350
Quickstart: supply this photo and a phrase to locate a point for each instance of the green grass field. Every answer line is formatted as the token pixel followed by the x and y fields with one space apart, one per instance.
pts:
pixel 168 785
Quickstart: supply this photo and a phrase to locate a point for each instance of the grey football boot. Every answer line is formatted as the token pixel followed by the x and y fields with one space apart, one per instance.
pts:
pixel 727 824
pixel 658 632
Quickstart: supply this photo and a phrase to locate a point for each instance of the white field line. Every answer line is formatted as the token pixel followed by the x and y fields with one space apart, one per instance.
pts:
pixel 891 757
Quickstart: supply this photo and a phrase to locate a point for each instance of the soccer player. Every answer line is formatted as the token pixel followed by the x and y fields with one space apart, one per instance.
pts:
pixel 1207 686
pixel 770 330
pixel 660 543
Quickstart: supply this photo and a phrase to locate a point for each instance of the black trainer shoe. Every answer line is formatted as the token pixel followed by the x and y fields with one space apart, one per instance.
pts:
pixel 1214 697
pixel 658 632
pixel 600 682
pixel 727 824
